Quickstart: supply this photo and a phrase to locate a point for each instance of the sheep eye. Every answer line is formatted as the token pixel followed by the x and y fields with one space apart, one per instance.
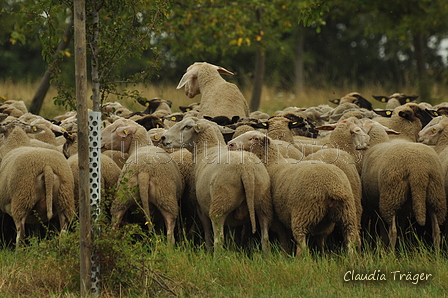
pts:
pixel 187 127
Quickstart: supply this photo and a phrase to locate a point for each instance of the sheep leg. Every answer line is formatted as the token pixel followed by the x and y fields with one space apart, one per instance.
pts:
pixel 301 243
pixel 218 231
pixel 264 226
pixel 170 224
pixel 207 229
pixel 435 231
pixel 20 227
pixel 393 233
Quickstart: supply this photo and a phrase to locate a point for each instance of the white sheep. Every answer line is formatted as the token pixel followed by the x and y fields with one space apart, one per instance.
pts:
pixel 309 197
pixel 219 97
pixel 36 179
pixel 408 120
pixel 151 177
pixel 404 179
pixel 231 187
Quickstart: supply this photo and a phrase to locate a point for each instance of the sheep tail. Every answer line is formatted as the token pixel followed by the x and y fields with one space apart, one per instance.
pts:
pixel 418 186
pixel 144 188
pixel 248 179
pixel 49 182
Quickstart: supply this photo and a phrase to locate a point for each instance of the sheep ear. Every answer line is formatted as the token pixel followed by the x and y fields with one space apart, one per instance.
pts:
pixel 126 131
pixel 296 124
pixel 408 98
pixel 363 103
pixel 335 101
pixel 384 113
pixel 264 125
pixel 381 98
pixel 433 113
pixel 33 129
pixel 326 127
pixel 142 101
pixel 224 71
pixel 188 76
pixel 198 127
pixel 405 114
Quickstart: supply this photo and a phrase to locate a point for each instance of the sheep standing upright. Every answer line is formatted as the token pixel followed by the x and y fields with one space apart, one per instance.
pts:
pixel 230 186
pixel 219 97
pixel 153 179
pixel 33 178
pixel 309 197
pixel 404 180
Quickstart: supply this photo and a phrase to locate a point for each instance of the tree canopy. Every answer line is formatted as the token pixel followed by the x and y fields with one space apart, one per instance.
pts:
pixel 392 43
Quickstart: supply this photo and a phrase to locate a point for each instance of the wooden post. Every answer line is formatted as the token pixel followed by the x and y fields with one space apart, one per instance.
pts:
pixel 83 145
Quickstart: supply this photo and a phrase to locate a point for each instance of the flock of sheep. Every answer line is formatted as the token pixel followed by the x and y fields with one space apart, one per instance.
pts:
pixel 298 177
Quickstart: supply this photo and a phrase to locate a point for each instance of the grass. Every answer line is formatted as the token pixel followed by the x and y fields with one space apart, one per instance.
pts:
pixel 134 263
pixel 150 268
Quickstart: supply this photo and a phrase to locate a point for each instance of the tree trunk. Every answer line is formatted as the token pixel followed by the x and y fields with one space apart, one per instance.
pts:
pixel 95 63
pixel 83 148
pixel 39 96
pixel 260 59
pixel 299 73
pixel 423 80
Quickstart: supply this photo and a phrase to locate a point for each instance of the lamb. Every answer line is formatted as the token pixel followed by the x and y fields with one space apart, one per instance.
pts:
pixel 36 179
pixel 309 196
pixel 155 175
pixel 403 179
pixel 230 186
pixel 219 97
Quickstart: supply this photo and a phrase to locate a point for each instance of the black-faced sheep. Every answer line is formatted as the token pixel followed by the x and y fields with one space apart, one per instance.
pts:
pixel 395 100
pixel 309 197
pixel 219 97
pixel 231 187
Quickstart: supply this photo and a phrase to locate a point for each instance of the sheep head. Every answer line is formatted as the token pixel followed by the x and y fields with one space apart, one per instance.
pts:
pixel 412 112
pixel 349 130
pixel 183 133
pixel 190 78
pixel 431 133
pixel 249 140
pixel 8 127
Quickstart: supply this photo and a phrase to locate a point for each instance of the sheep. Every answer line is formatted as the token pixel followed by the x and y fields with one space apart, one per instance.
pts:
pixel 408 119
pixel 279 130
pixel 110 171
pixel 395 100
pixel 353 97
pixel 172 119
pixel 15 108
pixel 350 137
pixel 230 186
pixel 157 106
pixel 403 179
pixel 155 175
pixel 309 196
pixel 36 179
pixel 219 97
pixel 191 107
